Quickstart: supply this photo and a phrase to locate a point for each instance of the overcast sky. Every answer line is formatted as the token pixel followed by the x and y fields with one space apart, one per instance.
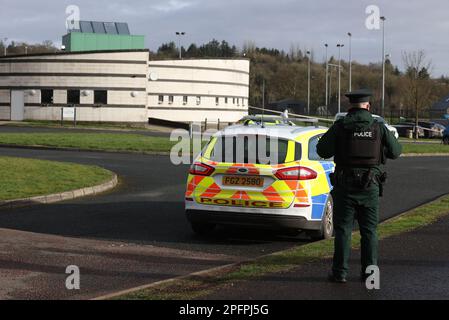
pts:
pixel 411 24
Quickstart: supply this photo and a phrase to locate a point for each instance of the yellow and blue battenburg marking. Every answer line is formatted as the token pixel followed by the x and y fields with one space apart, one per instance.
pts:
pixel 310 195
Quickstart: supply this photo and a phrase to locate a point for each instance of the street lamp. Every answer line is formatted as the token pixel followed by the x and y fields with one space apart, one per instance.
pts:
pixel 383 66
pixel 350 61
pixel 327 78
pixel 4 46
pixel 179 34
pixel 308 83
pixel 339 46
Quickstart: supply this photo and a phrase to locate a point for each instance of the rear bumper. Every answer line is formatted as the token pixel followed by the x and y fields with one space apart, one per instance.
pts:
pixel 271 221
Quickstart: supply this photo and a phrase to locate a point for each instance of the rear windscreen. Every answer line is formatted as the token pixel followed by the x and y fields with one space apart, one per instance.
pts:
pixel 249 149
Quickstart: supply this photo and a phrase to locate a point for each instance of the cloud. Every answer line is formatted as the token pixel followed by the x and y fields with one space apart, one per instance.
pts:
pixel 410 25
pixel 172 5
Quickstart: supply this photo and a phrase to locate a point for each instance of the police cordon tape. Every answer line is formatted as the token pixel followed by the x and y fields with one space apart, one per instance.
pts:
pixel 419 128
pixel 333 120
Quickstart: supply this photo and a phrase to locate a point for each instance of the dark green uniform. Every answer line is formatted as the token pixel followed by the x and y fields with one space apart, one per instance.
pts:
pixel 354 199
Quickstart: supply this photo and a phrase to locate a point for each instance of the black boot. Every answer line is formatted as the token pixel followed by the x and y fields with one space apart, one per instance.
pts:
pixel 336 279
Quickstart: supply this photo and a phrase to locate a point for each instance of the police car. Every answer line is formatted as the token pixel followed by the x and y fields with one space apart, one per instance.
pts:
pixel 228 185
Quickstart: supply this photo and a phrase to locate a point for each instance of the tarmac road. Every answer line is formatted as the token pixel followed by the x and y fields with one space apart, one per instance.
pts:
pixel 138 234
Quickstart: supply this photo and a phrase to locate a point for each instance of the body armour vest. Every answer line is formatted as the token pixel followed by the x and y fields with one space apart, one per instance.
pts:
pixel 359 148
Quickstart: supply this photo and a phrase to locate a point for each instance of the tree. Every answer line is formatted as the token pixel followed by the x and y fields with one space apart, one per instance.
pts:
pixel 192 51
pixel 168 50
pixel 211 49
pixel 417 82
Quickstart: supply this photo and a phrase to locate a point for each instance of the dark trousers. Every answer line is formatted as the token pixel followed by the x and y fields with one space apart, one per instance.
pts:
pixel 350 205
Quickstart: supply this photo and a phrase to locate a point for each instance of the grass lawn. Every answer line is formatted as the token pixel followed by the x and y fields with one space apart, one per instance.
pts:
pixel 81 124
pixel 22 178
pixel 137 142
pixel 90 141
pixel 424 148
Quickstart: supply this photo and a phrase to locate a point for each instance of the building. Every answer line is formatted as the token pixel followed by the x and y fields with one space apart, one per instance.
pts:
pixel 122 86
pixel 106 74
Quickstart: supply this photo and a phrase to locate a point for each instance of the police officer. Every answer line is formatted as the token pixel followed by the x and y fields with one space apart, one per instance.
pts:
pixel 360 146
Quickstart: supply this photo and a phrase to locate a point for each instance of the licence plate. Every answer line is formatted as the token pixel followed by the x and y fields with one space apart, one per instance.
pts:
pixel 246 181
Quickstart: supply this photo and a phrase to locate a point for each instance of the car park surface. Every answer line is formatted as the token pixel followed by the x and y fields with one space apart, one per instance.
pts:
pixel 138 234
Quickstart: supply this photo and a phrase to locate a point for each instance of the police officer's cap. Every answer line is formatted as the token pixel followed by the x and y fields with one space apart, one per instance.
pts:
pixel 359 96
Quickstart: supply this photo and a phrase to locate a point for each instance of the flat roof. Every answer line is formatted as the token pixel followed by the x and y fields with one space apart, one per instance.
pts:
pixel 70 53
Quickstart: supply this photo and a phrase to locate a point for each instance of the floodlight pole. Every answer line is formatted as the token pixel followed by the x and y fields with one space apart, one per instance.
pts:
pixel 327 79
pixel 179 34
pixel 350 61
pixel 339 46
pixel 383 66
pixel 4 45
pixel 308 83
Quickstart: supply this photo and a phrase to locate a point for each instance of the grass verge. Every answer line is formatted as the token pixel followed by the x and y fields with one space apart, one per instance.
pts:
pixel 23 178
pixel 81 124
pixel 139 143
pixel 90 141
pixel 193 287
pixel 424 148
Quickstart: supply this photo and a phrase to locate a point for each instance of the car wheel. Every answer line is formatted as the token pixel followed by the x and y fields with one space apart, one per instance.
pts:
pixel 201 228
pixel 327 225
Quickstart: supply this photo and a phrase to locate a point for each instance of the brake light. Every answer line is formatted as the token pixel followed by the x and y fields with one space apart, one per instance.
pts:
pixel 201 169
pixel 296 173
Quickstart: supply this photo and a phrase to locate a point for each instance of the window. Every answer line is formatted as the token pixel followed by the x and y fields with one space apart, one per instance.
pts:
pixel 226 100
pixel 225 149
pixel 46 96
pixel 122 28
pixel 198 100
pixel 161 99
pixel 185 100
pixel 110 28
pixel 86 27
pixel 100 97
pixel 73 96
pixel 170 99
pixel 313 155
pixel 217 101
pixel 297 151
pixel 98 27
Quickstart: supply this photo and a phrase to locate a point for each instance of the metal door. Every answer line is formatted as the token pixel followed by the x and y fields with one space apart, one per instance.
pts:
pixel 17 105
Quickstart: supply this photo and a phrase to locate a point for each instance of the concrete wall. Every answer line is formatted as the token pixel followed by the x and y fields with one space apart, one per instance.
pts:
pixel 5 106
pixel 206 78
pixel 122 74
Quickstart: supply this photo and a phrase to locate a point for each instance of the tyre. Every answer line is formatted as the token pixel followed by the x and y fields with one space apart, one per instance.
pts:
pixel 201 228
pixel 327 225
